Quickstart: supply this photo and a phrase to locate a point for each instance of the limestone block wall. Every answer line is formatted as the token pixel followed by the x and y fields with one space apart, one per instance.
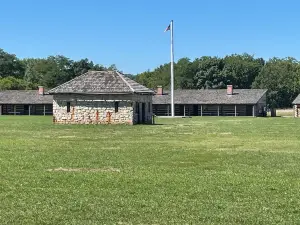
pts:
pixel 90 109
pixel 100 109
pixel 296 111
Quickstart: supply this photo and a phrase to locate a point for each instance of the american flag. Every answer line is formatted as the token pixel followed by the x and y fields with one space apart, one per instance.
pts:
pixel 168 28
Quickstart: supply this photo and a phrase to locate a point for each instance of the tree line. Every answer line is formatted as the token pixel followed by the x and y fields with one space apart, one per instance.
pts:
pixel 49 72
pixel 281 76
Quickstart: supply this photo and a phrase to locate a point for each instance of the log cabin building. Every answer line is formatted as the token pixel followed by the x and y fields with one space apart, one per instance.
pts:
pixel 25 102
pixel 211 102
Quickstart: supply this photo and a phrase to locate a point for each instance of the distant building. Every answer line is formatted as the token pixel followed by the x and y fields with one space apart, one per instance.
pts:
pixel 100 97
pixel 25 102
pixel 296 104
pixel 110 97
pixel 211 102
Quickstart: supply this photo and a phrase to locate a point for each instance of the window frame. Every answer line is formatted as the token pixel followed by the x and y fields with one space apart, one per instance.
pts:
pixel 68 107
pixel 116 107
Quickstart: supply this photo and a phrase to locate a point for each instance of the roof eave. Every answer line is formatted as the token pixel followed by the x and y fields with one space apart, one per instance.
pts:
pixel 92 93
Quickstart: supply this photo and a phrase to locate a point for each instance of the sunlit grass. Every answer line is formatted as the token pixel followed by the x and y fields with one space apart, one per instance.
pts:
pixel 183 171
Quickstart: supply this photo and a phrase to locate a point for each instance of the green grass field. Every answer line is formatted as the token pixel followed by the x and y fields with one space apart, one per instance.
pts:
pixel 184 171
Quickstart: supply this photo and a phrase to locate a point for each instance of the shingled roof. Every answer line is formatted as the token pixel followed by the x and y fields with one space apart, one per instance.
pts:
pixel 24 97
pixel 101 82
pixel 211 96
pixel 297 100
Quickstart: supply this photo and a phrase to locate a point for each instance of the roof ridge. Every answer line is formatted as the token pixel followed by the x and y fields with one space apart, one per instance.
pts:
pixel 126 82
pixel 71 80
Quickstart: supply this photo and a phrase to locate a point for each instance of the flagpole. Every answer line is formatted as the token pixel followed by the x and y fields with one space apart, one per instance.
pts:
pixel 172 71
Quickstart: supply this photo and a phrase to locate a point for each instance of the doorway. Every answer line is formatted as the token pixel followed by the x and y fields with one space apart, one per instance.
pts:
pixel 249 110
pixel 181 110
pixel 143 112
pixel 137 111
pixel 195 110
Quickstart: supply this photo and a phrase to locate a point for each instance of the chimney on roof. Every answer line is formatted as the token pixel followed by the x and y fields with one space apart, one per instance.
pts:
pixel 41 90
pixel 229 90
pixel 159 90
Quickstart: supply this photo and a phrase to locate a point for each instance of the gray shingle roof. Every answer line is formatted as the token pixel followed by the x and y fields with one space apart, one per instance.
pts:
pixel 101 82
pixel 211 96
pixel 24 97
pixel 297 100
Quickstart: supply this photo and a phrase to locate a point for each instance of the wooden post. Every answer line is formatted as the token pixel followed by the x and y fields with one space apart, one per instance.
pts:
pixel 234 110
pixel 184 110
pixel 44 109
pixel 29 109
pixel 15 109
pixel 218 110
pixel 253 111
pixel 151 112
pixel 0 110
pixel 201 110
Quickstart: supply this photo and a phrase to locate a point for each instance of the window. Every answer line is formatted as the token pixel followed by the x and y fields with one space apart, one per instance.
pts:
pixel 68 107
pixel 26 107
pixel 116 107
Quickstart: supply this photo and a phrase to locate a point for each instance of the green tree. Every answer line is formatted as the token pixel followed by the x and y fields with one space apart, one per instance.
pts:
pixel 10 65
pixel 209 74
pixel 49 72
pixel 282 79
pixel 241 70
pixel 82 66
pixel 185 71
pixel 12 83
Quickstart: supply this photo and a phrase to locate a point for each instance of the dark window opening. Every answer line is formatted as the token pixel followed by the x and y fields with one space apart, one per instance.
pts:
pixel 149 104
pixel 116 107
pixel 26 107
pixel 68 107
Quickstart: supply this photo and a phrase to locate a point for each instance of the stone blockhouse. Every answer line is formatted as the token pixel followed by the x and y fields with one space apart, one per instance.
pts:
pixel 296 104
pixel 102 97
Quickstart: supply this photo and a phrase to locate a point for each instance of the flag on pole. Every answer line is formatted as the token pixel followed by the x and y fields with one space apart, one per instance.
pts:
pixel 168 28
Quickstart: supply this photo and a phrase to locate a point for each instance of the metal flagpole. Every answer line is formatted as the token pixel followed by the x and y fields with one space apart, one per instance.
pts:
pixel 172 71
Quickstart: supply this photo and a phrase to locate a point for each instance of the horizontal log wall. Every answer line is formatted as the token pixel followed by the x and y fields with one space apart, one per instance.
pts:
pixel 27 109
pixel 207 110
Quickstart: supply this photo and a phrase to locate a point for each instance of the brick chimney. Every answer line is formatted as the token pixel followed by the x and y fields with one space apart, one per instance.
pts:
pixel 229 90
pixel 159 90
pixel 41 90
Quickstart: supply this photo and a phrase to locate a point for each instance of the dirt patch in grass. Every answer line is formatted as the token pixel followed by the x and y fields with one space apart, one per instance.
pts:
pixel 108 169
pixel 226 133
pixel 67 136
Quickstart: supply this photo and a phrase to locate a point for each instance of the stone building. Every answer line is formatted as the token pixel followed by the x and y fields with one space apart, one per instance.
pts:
pixel 296 104
pixel 211 102
pixel 101 97
pixel 25 102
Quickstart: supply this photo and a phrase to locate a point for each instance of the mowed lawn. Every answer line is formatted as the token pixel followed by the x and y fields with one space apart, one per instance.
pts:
pixel 183 171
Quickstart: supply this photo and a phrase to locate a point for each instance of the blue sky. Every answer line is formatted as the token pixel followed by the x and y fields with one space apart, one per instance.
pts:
pixel 131 34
